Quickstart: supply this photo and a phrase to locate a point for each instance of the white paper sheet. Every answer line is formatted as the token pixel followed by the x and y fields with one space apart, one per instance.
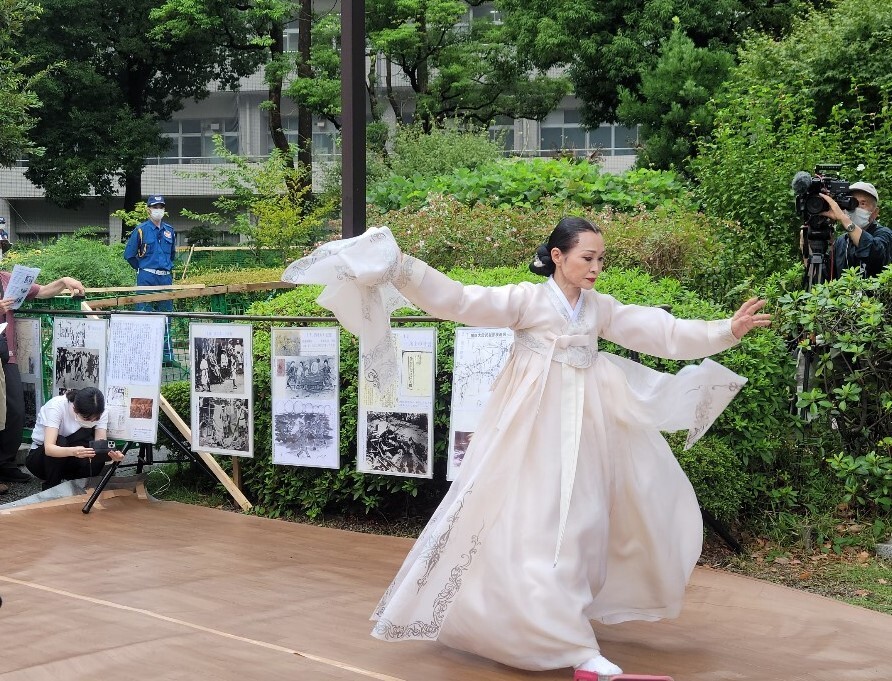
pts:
pixel 20 282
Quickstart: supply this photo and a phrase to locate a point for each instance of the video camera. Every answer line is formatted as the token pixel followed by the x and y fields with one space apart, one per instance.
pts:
pixel 810 201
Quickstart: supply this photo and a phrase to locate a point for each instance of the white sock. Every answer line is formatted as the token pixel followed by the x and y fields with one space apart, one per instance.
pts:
pixel 600 665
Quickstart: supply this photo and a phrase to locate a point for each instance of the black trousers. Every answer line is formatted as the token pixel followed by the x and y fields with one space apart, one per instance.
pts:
pixel 11 436
pixel 55 469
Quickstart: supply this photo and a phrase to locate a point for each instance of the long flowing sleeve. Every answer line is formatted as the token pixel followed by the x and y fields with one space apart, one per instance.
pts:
pixel 358 275
pixel 442 297
pixel 653 331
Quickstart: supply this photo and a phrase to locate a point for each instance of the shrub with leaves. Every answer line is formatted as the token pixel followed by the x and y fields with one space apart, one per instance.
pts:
pixel 820 95
pixel 846 327
pixel 268 202
pixel 716 472
pixel 80 255
pixel 440 150
pixel 666 241
pixel 528 182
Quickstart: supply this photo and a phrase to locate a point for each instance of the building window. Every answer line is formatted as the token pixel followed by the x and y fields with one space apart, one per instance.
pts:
pixel 324 135
pixel 486 11
pixel 191 140
pixel 502 130
pixel 562 131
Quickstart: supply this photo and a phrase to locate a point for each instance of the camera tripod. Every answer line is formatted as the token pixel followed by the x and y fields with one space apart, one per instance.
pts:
pixel 817 272
pixel 146 458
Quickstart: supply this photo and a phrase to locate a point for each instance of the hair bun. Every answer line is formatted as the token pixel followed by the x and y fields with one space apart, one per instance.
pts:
pixel 542 263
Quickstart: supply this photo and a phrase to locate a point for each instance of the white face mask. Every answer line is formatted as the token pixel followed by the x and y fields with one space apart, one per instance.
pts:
pixel 156 213
pixel 860 216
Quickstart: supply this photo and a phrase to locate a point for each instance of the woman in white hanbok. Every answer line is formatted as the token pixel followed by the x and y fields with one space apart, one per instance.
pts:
pixel 569 505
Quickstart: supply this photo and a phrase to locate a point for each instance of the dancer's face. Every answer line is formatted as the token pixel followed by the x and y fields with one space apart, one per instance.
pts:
pixel 581 265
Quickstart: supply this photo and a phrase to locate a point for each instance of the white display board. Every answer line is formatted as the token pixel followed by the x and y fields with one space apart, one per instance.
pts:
pixel 133 377
pixel 305 380
pixel 395 430
pixel 480 355
pixel 29 356
pixel 79 349
pixel 222 395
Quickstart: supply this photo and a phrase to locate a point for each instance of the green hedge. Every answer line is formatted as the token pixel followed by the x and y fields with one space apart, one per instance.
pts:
pixel 527 182
pixel 665 241
pixel 747 435
pixel 847 325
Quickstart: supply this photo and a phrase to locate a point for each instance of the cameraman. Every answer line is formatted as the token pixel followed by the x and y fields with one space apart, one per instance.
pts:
pixel 866 244
pixel 61 437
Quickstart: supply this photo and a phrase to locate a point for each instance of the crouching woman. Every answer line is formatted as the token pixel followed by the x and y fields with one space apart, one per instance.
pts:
pixel 61 437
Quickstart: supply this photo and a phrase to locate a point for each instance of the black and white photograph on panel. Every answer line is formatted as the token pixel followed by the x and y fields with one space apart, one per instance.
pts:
pixel 77 368
pixel 29 353
pixel 394 425
pixel 30 403
pixel 219 365
pixel 397 443
pixel 304 434
pixel 223 424
pixel 222 393
pixel 79 351
pixel 460 441
pixel 309 376
pixel 478 359
pixel 286 342
pixel 305 380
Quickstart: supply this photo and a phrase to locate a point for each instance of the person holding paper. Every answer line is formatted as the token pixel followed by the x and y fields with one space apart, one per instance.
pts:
pixel 11 435
pixel 61 441
pixel 569 505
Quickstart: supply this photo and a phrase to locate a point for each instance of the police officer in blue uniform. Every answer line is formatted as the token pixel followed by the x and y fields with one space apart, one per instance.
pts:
pixel 151 250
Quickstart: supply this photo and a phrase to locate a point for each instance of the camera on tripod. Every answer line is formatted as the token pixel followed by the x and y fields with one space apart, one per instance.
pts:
pixel 810 202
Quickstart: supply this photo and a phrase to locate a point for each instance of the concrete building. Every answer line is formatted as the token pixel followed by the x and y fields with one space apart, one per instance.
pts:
pixel 239 118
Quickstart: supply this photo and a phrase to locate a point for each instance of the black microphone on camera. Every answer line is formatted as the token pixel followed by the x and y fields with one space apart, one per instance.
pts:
pixel 801 182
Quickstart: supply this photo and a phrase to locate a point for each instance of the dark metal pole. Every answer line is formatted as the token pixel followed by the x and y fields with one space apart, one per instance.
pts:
pixel 353 95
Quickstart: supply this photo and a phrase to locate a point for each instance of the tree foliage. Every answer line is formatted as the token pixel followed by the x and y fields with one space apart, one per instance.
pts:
pixel 17 95
pixel 114 81
pixel 607 44
pixel 255 31
pixel 672 104
pixel 771 123
pixel 267 202
pixel 455 67
pixel 81 255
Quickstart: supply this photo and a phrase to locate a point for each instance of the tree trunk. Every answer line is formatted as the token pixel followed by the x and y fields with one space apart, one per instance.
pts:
pixel 132 195
pixel 277 51
pixel 304 115
pixel 423 80
pixel 388 83
pixel 371 86
pixel 136 82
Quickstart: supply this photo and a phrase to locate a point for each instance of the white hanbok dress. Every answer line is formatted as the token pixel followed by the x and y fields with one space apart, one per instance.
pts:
pixel 569 505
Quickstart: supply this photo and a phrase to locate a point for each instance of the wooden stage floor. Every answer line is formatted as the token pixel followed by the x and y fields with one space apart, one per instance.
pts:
pixel 157 590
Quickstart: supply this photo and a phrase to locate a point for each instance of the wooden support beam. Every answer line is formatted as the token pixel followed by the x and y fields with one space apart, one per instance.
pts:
pixel 120 289
pixel 211 462
pixel 189 293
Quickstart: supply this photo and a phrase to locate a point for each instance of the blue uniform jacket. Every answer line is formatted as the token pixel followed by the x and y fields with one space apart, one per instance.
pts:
pixel 151 248
pixel 870 256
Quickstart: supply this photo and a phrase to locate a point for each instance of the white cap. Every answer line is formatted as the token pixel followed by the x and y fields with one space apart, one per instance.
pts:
pixel 865 187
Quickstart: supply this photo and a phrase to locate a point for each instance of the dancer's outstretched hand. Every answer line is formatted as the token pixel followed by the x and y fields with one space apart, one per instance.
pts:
pixel 748 318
